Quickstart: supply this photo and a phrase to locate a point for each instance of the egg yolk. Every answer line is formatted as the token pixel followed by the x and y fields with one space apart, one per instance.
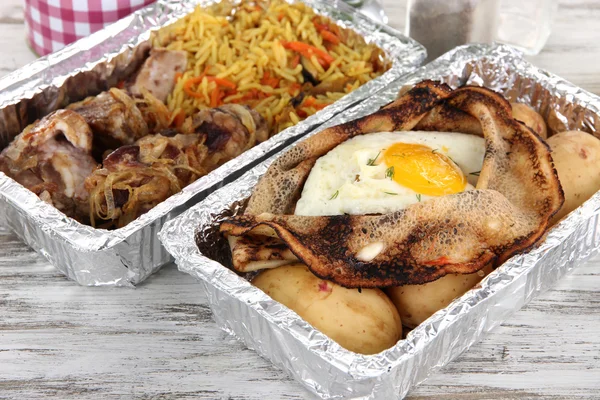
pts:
pixel 423 169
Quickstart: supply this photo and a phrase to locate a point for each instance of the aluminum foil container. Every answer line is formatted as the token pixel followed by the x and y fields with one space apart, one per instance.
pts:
pixel 127 256
pixel 320 364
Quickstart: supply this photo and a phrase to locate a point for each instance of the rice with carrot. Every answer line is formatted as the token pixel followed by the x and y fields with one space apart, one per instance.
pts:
pixel 281 59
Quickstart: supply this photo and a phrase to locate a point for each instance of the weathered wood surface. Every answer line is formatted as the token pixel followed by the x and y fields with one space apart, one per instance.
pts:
pixel 59 340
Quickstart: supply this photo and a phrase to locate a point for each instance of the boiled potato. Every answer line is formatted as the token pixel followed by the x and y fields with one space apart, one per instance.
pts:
pixel 530 117
pixel 365 322
pixel 416 303
pixel 576 156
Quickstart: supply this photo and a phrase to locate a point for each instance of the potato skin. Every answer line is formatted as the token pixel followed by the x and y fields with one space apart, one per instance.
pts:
pixel 365 322
pixel 576 156
pixel 528 116
pixel 416 303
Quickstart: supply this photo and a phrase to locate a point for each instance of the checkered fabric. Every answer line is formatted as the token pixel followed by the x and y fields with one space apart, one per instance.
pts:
pixel 52 24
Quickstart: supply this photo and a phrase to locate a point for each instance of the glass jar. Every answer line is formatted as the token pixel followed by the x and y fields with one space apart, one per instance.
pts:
pixel 442 25
pixel 526 25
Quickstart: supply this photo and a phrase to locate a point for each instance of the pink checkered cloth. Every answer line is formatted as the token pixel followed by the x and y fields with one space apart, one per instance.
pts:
pixel 53 24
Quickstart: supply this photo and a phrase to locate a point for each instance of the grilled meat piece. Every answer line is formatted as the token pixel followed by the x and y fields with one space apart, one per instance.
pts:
pixel 122 158
pixel 157 75
pixel 142 175
pixel 154 112
pixel 118 118
pixel 114 118
pixel 230 130
pixel 52 158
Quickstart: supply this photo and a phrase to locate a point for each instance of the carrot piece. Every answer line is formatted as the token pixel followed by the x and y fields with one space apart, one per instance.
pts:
pixel 309 101
pixel 222 82
pixel 319 26
pixel 333 28
pixel 330 37
pixel 179 119
pixel 215 97
pixel 294 88
pixel 308 50
pixel 265 78
pixel 268 80
pixel 329 32
pixel 178 76
pixel 245 97
pixel 254 94
pixel 280 17
pixel 295 60
pixel 187 86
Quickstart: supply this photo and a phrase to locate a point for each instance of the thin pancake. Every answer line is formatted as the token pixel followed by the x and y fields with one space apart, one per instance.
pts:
pixel 517 193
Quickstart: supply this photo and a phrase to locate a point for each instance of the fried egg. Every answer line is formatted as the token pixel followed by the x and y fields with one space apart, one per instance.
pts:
pixel 385 172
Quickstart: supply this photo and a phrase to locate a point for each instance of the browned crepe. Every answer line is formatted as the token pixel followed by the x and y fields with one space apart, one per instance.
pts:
pixel 517 193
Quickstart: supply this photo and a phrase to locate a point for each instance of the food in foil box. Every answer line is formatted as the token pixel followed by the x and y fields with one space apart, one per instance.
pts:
pixel 378 223
pixel 216 83
pixel 282 59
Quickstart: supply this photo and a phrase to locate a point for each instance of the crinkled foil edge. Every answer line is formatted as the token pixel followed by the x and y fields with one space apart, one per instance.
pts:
pixel 321 365
pixel 128 255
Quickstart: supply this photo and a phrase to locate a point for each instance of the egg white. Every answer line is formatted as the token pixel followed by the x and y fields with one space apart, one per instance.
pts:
pixel 343 182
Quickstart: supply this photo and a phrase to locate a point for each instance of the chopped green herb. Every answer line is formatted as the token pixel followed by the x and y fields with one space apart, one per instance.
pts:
pixel 419 197
pixel 476 173
pixel 389 173
pixel 371 161
pixel 357 178
pixel 391 193
pixel 335 195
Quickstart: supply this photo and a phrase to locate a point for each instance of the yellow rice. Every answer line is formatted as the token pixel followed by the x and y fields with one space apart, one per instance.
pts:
pixel 240 43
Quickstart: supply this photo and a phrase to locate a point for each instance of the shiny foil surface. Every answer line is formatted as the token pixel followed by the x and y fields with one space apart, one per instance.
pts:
pixel 320 364
pixel 127 256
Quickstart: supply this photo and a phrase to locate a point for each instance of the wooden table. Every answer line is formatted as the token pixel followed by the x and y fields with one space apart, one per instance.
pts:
pixel 60 340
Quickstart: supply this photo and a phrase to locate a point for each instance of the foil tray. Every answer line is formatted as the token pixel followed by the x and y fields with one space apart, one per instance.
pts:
pixel 320 364
pixel 127 256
